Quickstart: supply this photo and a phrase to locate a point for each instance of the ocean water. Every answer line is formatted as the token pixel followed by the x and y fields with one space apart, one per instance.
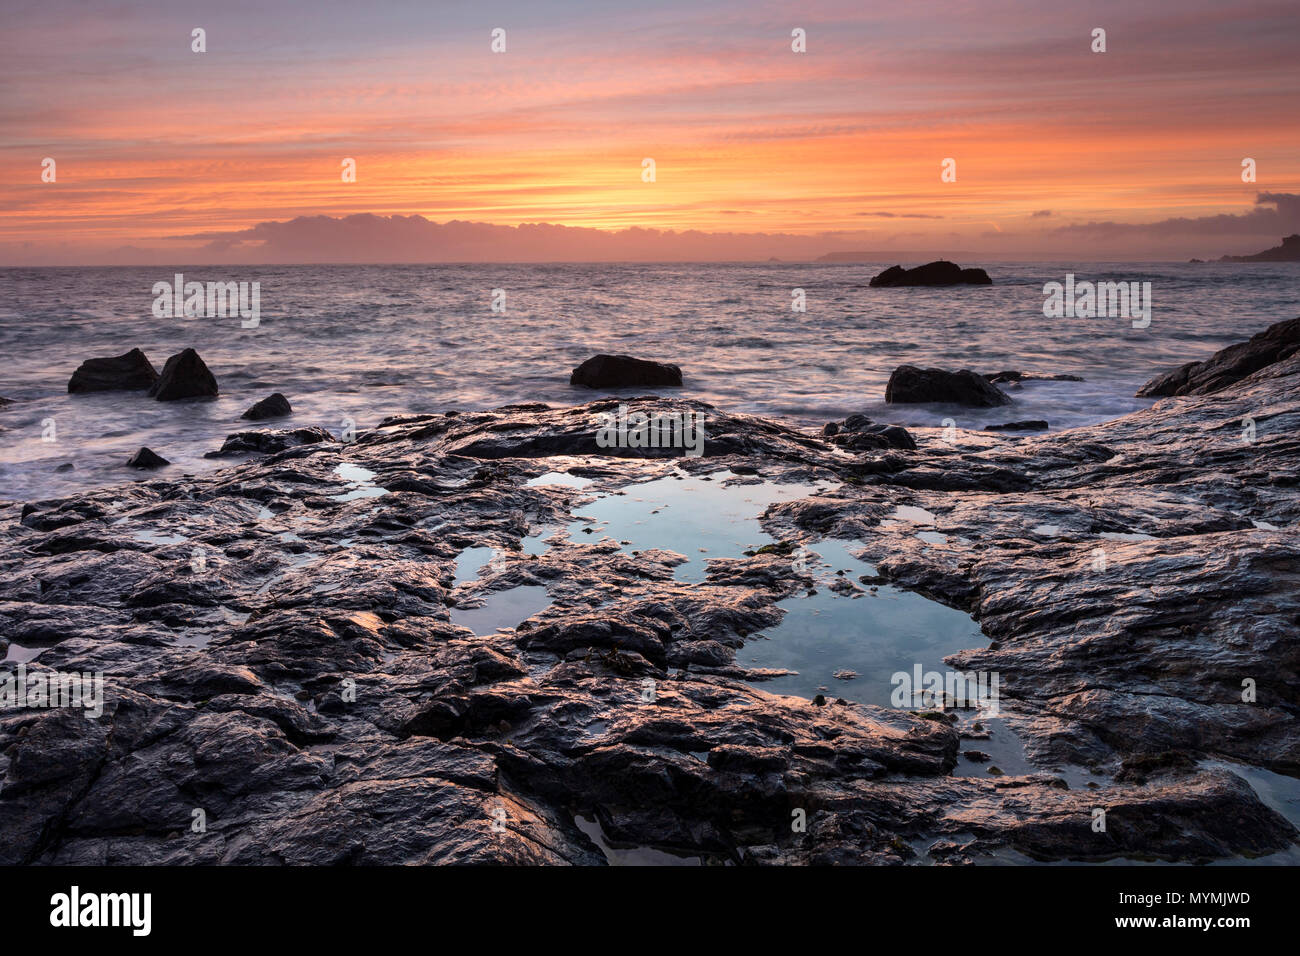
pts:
pixel 365 342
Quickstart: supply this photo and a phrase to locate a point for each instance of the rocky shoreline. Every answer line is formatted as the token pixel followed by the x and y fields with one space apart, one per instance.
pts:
pixel 281 662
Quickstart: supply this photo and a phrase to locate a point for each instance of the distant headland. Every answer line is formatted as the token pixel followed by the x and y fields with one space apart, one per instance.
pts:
pixel 1289 251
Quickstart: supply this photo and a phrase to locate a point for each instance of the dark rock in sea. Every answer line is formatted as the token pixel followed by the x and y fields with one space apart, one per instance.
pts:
pixel 129 372
pixel 311 691
pixel 1288 251
pixel 623 371
pixel 910 385
pixel 1029 425
pixel 184 376
pixel 273 406
pixel 938 273
pixel 269 441
pixel 145 458
pixel 998 378
pixel 1279 341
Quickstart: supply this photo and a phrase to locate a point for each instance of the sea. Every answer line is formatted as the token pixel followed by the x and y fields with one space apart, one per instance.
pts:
pixel 351 345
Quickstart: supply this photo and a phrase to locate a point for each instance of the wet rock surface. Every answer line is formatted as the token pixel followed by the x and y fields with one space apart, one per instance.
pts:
pixel 859 433
pixel 623 371
pixel 1279 341
pixel 938 273
pixel 129 372
pixel 911 385
pixel 279 650
pixel 268 441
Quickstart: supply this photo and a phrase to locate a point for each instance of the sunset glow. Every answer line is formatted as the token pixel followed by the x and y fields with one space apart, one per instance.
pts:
pixel 154 142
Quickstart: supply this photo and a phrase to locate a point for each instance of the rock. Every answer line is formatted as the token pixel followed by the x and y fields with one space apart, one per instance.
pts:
pixel 269 441
pixel 909 385
pixel 1138 768
pixel 998 378
pixel 1029 425
pixel 938 273
pixel 65 467
pixel 312 689
pixel 273 406
pixel 129 372
pixel 623 371
pixel 145 458
pixel 1276 343
pixel 859 433
pixel 184 376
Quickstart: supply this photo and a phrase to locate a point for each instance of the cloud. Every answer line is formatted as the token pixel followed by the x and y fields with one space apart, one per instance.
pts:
pixel 898 215
pixel 371 238
pixel 1274 215
pixel 365 237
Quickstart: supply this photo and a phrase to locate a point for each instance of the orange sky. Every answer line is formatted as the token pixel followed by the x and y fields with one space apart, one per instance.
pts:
pixel 154 142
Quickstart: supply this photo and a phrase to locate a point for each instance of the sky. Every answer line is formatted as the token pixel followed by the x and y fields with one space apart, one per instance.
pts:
pixel 166 155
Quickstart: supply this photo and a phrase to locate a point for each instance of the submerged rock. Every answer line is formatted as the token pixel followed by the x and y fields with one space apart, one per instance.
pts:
pixel 131 371
pixel 270 440
pixel 910 385
pixel 1276 343
pixel 623 371
pixel 273 406
pixel 145 458
pixel 1028 425
pixel 937 273
pixel 999 378
pixel 184 376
